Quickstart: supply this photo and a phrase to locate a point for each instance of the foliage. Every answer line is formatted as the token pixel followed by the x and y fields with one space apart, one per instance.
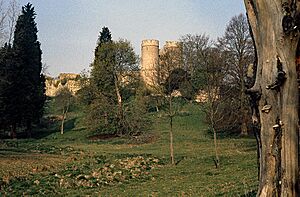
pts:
pixel 63 99
pixel 109 95
pixel 236 51
pixel 9 84
pixel 95 173
pixel 22 87
pixel 31 83
pixel 180 80
pixel 135 112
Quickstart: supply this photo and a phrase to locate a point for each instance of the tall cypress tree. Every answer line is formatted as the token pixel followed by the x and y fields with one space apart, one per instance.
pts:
pixel 101 110
pixel 103 65
pixel 31 91
pixel 9 115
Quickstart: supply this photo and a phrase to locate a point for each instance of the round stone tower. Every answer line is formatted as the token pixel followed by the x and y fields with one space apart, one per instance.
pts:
pixel 149 61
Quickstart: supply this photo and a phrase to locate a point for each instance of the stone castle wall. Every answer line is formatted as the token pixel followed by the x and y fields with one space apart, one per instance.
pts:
pixel 71 81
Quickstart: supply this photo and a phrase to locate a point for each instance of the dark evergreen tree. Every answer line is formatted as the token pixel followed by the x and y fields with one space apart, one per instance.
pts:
pixel 9 116
pixel 101 108
pixel 31 87
pixel 102 67
pixel 105 36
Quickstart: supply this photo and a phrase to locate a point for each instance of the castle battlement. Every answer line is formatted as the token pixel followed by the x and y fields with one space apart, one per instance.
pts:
pixel 172 44
pixel 150 43
pixel 68 76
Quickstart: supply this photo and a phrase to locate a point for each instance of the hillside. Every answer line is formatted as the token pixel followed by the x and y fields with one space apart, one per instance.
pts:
pixel 73 165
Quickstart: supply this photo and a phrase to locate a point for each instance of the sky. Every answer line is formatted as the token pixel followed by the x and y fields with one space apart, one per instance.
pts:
pixel 69 29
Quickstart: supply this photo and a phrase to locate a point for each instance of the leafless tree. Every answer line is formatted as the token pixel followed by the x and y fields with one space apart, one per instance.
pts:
pixel 194 49
pixel 9 12
pixel 3 17
pixel 238 46
pixel 12 15
pixel 212 75
pixel 170 59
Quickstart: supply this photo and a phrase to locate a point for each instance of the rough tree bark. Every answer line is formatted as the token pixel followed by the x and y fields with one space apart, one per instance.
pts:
pixel 276 35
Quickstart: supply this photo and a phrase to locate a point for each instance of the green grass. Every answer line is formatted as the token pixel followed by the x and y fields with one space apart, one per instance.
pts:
pixel 72 153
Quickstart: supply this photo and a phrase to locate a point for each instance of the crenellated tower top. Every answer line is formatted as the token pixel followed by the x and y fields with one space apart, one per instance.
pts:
pixel 150 42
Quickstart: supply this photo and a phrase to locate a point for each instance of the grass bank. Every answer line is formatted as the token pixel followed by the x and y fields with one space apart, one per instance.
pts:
pixel 73 165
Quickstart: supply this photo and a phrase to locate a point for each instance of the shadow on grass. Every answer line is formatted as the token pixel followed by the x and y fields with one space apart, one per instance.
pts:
pixel 228 135
pixel 53 127
pixel 250 194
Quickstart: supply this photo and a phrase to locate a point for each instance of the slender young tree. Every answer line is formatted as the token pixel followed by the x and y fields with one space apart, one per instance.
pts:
pixel 63 101
pixel 275 27
pixel 31 89
pixel 211 81
pixel 170 60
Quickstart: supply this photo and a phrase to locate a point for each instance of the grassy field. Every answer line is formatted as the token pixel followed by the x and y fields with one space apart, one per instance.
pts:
pixel 72 165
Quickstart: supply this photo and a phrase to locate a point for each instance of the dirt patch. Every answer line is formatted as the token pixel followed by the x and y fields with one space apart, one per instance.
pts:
pixel 143 139
pixel 102 137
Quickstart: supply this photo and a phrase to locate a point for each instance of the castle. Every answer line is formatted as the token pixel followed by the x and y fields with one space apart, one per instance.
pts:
pixel 150 61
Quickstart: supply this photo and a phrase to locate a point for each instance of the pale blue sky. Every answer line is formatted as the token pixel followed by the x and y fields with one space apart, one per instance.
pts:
pixel 68 29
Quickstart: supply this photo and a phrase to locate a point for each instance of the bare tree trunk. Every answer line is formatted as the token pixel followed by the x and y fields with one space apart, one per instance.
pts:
pixel 105 118
pixel 171 142
pixel 62 125
pixel 212 124
pixel 171 131
pixel 276 81
pixel 64 117
pixel 119 100
pixel 217 161
pixel 119 97
pixel 244 129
